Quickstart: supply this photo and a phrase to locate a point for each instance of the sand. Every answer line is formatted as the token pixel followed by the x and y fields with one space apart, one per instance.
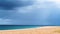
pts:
pixel 38 30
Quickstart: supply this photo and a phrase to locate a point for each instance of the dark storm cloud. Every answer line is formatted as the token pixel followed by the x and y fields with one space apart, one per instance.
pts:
pixel 7 7
pixel 26 13
pixel 10 4
pixel 9 14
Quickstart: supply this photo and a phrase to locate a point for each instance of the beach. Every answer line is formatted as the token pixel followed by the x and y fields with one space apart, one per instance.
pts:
pixel 38 30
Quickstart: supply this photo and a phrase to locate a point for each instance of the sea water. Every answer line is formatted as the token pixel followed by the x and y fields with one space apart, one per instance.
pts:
pixel 11 27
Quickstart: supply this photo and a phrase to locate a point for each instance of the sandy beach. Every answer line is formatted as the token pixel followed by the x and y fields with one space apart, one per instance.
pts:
pixel 38 30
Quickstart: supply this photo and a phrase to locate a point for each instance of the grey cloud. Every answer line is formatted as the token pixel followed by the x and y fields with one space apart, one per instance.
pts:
pixel 36 15
pixel 11 14
pixel 10 4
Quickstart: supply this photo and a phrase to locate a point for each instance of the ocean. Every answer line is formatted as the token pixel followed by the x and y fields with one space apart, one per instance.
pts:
pixel 11 27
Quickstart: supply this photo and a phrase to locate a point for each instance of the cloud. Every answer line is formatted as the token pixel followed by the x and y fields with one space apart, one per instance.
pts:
pixel 42 12
pixel 10 4
pixel 5 21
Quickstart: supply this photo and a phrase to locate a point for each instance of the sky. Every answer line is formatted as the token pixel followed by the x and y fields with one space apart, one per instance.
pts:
pixel 29 12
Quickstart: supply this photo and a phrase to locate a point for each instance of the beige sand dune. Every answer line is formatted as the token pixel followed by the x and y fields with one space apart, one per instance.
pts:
pixel 39 30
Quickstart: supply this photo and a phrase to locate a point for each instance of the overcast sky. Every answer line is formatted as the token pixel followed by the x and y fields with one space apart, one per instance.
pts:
pixel 30 12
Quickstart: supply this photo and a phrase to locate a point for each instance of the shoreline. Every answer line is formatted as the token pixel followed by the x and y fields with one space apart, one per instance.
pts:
pixel 37 30
pixel 34 28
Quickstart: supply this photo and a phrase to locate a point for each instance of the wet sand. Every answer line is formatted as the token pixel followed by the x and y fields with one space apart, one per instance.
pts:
pixel 39 30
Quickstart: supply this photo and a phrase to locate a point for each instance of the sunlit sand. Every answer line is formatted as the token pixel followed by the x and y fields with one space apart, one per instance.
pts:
pixel 38 30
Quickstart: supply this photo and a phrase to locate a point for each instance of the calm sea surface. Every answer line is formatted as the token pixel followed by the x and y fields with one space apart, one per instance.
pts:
pixel 9 27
